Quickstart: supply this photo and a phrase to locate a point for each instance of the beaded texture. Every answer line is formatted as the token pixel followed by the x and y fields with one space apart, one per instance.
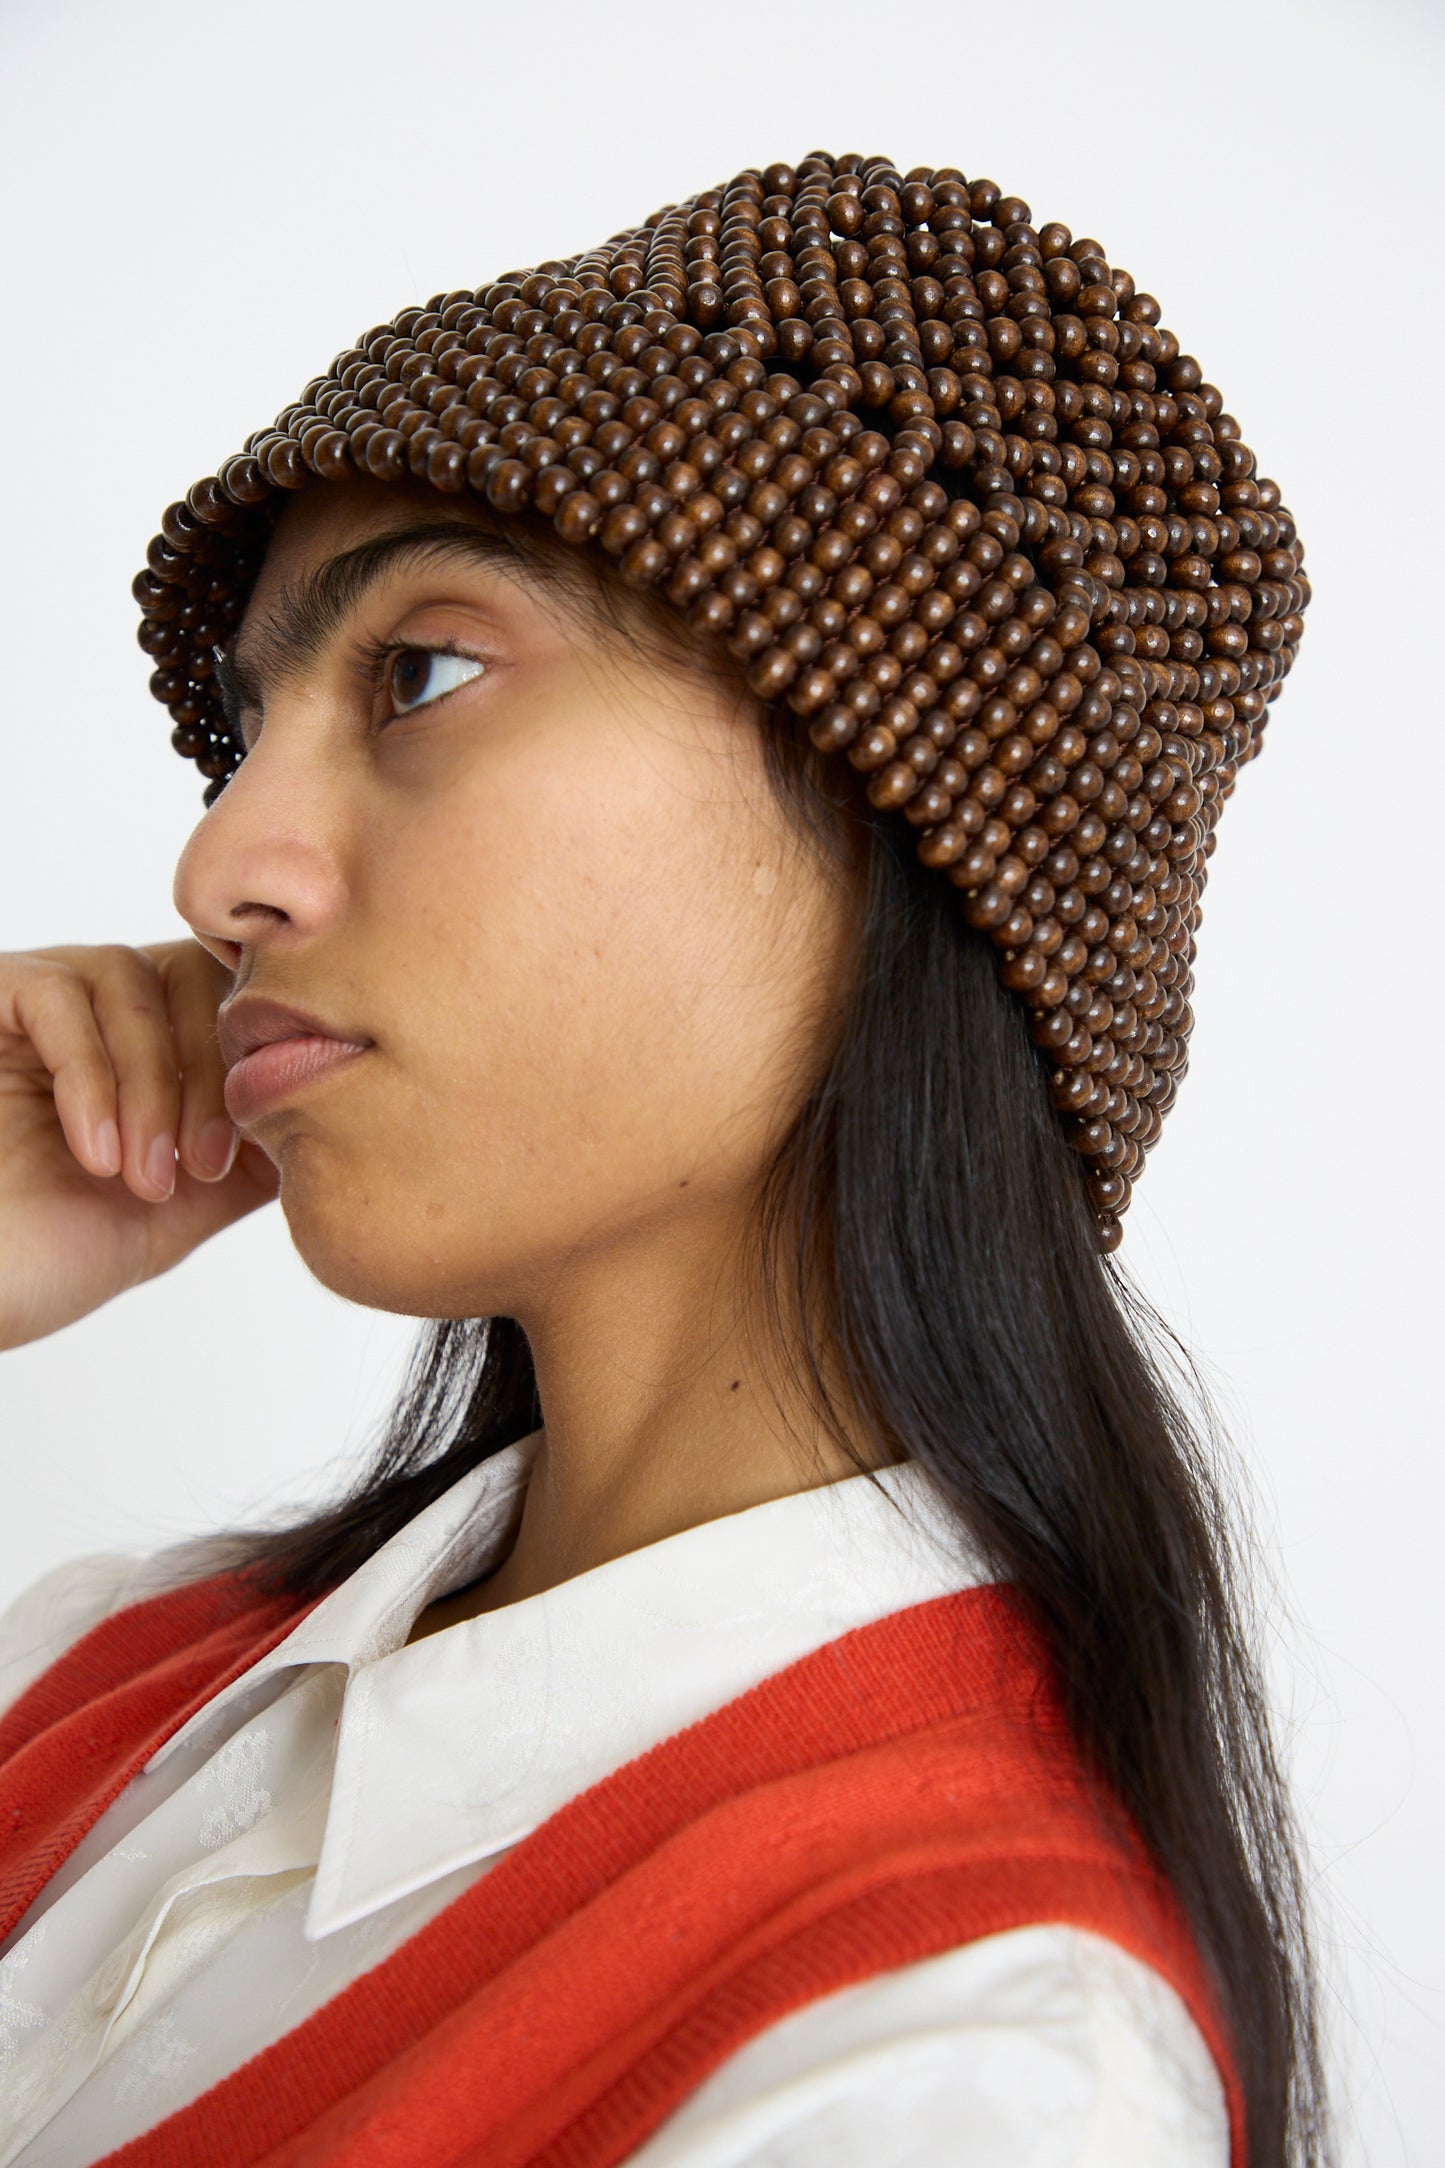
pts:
pixel 936 479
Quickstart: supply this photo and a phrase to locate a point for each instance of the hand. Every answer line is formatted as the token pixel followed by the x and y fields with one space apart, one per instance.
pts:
pixel 108 1056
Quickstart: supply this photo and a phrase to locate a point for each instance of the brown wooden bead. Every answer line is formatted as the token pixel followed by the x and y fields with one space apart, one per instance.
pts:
pixel 805 406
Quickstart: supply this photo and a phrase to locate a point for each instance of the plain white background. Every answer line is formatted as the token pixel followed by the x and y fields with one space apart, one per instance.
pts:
pixel 206 203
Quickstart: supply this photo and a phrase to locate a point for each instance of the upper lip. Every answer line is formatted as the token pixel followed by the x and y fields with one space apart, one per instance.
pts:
pixel 251 1021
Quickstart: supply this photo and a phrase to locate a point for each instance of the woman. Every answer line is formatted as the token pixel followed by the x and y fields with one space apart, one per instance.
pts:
pixel 712 752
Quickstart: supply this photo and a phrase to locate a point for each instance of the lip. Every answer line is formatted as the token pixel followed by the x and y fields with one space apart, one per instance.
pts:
pixel 271 1050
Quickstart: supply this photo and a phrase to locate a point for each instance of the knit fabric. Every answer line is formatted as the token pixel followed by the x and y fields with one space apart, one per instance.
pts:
pixel 908 1787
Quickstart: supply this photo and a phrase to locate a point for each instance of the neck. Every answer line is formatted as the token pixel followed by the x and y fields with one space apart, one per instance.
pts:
pixel 662 1410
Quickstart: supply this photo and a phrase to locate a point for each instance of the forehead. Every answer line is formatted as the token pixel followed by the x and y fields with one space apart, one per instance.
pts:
pixel 321 521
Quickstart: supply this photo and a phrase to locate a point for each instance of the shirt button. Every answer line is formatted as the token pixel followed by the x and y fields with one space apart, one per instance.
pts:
pixel 111 1978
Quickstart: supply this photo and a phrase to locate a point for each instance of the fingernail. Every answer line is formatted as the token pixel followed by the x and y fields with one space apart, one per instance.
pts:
pixel 161 1163
pixel 216 1148
pixel 107 1146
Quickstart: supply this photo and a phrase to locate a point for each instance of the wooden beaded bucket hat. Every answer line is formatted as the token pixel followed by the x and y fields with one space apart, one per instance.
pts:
pixel 936 479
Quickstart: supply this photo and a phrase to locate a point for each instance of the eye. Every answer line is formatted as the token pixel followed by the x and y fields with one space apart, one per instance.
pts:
pixel 415 676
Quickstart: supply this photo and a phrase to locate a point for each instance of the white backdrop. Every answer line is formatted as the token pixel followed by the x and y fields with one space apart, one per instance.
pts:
pixel 204 204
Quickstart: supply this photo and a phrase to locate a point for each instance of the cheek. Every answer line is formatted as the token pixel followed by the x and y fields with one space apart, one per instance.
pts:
pixel 588 974
pixel 581 942
pixel 547 944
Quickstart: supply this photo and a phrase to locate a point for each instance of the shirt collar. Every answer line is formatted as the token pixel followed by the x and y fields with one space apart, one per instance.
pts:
pixel 454 1747
pixel 442 1548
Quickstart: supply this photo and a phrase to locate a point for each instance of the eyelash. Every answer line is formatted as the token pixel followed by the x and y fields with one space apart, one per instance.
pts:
pixel 374 657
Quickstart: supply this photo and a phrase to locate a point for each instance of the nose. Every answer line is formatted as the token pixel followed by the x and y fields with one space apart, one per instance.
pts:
pixel 262 869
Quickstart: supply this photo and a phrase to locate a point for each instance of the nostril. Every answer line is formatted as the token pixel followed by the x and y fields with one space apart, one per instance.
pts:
pixel 225 952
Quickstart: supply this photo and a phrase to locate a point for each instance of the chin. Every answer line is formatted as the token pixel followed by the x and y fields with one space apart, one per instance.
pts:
pixel 360 1242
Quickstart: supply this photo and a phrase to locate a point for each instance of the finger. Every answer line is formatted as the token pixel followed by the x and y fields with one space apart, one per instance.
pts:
pixel 51 1006
pixel 130 1008
pixel 195 985
pixel 196 1210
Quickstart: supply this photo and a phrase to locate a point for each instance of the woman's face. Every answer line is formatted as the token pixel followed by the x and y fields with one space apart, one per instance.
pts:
pixel 542 873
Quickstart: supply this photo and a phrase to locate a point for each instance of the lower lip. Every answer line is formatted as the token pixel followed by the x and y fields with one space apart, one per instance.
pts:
pixel 270 1074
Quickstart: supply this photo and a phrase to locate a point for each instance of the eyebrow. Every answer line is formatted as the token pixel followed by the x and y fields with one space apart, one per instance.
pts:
pixel 305 616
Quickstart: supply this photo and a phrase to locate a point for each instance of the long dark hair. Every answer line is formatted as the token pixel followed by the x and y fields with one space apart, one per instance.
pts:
pixel 925 1221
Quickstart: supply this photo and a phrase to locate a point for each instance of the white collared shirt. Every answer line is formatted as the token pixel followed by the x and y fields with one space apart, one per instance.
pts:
pixel 323 1807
